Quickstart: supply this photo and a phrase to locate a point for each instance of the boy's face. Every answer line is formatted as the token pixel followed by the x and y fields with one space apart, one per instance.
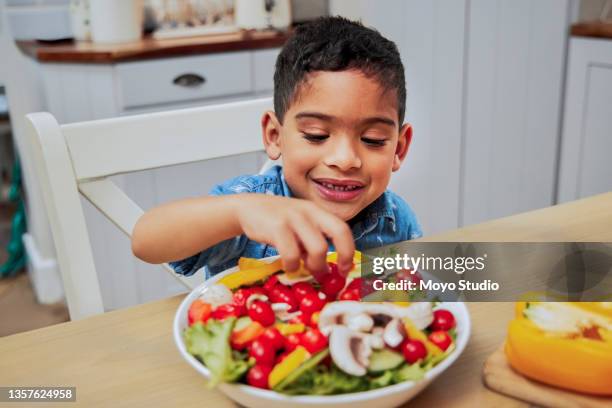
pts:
pixel 339 142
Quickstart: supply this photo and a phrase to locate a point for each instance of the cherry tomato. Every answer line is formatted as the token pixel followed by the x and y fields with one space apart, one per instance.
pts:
pixel 413 350
pixel 292 341
pixel 283 294
pixel 270 283
pixel 258 290
pixel 302 318
pixel 262 312
pixel 258 376
pixel 222 312
pixel 313 341
pixel 332 283
pixel 262 352
pixel 274 337
pixel 352 294
pixel 443 320
pixel 240 297
pixel 302 289
pixel 199 311
pixel 441 339
pixel 354 284
pixel 311 303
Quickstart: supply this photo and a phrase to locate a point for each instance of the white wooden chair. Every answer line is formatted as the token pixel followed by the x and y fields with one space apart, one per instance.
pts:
pixel 79 158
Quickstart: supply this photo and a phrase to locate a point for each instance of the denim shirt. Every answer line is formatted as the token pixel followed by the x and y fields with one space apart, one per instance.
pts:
pixel 386 221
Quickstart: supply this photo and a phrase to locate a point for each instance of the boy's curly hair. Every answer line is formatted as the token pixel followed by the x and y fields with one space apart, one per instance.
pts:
pixel 336 44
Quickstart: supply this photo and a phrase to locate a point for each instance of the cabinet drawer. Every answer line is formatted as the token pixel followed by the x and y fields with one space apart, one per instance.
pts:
pixel 183 79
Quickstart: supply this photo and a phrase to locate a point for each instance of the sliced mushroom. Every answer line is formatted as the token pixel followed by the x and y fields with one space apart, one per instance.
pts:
pixel 358 322
pixel 281 310
pixel 420 313
pixel 350 350
pixel 375 340
pixel 216 295
pixel 334 313
pixel 394 333
pixel 293 278
pixel 253 298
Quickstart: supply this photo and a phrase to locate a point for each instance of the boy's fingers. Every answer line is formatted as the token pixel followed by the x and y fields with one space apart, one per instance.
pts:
pixel 314 244
pixel 342 237
pixel 289 250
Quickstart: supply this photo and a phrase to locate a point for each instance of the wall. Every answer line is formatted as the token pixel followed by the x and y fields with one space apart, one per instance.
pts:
pixel 484 81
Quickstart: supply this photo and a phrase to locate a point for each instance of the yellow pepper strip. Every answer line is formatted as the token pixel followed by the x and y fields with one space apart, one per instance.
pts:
pixel 288 365
pixel 333 257
pixel 574 362
pixel 249 263
pixel 417 334
pixel 290 328
pixel 250 276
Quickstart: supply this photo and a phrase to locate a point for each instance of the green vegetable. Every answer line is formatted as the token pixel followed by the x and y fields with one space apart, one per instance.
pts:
pixel 412 372
pixel 242 323
pixel 385 359
pixel 307 365
pixel 321 380
pixel 382 381
pixel 210 344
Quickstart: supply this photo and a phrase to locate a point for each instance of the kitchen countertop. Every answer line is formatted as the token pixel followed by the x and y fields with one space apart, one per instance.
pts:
pixel 148 47
pixel 592 29
pixel 127 357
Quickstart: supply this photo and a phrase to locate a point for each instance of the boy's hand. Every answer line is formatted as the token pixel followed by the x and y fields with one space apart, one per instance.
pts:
pixel 298 229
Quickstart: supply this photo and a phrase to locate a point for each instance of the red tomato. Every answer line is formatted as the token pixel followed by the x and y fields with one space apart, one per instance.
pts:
pixel 258 290
pixel 302 289
pixel 199 311
pixel 443 320
pixel 441 339
pixel 262 312
pixel 292 341
pixel 274 337
pixel 262 352
pixel 413 350
pixel 332 283
pixel 258 376
pixel 313 341
pixel 222 312
pixel 240 297
pixel 270 283
pixel 354 284
pixel 283 294
pixel 352 294
pixel 302 318
pixel 311 303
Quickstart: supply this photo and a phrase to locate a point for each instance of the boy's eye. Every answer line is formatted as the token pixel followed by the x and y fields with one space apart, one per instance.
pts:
pixel 315 138
pixel 373 142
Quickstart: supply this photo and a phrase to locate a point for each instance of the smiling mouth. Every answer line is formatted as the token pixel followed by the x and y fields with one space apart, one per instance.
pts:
pixel 339 187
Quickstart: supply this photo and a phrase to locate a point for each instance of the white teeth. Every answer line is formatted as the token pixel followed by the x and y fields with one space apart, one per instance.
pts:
pixel 339 188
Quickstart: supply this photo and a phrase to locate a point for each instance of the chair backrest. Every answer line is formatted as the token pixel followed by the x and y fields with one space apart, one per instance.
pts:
pixel 79 158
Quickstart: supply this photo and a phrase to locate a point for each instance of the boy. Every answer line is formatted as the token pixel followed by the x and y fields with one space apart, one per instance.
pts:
pixel 339 101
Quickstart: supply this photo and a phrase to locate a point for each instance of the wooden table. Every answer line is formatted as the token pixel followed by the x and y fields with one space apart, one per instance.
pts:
pixel 128 358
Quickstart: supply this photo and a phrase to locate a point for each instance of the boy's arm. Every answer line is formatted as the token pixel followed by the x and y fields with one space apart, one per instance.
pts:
pixel 298 229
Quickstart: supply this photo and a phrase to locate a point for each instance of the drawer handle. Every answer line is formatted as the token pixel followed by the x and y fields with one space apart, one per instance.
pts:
pixel 189 80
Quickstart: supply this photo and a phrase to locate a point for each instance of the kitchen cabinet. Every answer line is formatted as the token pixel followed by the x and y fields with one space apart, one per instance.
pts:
pixel 86 91
pixel 585 166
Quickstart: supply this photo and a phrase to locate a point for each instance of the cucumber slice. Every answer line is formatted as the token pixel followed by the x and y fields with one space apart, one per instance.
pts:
pixel 384 359
pixel 307 365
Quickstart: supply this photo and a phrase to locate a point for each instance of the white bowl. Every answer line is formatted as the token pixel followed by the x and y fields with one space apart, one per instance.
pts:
pixel 390 396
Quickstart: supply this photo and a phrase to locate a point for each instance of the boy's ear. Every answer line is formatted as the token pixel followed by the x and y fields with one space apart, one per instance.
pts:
pixel 403 143
pixel 270 128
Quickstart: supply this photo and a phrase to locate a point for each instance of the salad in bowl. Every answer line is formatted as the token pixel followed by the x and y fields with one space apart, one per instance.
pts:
pixel 269 338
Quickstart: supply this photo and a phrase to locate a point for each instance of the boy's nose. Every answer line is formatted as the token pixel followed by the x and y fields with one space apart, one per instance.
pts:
pixel 343 156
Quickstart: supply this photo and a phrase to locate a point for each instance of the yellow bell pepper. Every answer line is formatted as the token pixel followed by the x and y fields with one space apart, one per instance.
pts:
pixel 290 328
pixel 578 359
pixel 417 334
pixel 287 366
pixel 250 276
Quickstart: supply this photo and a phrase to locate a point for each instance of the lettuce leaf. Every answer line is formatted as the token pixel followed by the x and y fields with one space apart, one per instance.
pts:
pixel 210 344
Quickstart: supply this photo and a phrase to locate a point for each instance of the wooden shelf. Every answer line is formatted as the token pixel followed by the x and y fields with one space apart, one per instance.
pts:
pixel 148 48
pixel 592 29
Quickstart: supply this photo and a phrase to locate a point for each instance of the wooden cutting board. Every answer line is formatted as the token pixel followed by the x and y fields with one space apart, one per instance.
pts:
pixel 500 377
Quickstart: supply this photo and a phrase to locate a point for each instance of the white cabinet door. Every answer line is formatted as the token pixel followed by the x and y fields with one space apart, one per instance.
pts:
pixel 586 164
pixel 515 59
